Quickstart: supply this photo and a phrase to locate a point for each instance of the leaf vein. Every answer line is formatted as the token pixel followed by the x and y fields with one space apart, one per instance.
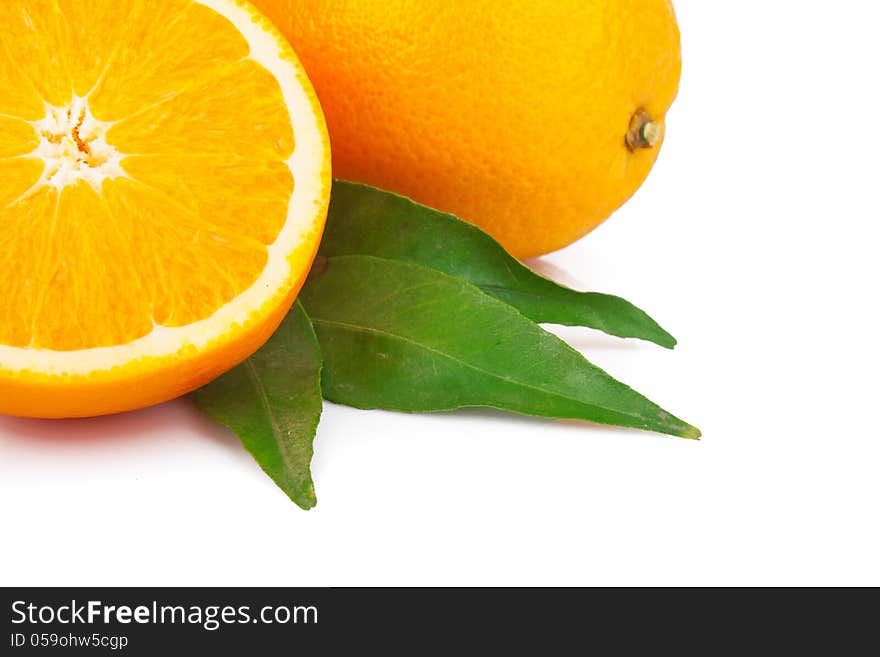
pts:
pixel 368 329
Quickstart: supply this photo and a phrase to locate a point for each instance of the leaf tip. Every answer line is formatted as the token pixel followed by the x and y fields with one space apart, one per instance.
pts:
pixel 659 336
pixel 305 499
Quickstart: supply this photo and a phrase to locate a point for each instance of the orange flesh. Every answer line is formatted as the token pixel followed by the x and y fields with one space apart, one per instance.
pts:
pixel 183 226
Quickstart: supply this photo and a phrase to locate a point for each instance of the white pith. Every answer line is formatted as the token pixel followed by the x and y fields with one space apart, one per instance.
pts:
pixel 309 153
pixel 73 147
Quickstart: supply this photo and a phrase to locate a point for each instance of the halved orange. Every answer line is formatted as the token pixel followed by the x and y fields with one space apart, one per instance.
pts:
pixel 164 181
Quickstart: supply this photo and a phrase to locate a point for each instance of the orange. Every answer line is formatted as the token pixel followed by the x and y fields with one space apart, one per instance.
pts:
pixel 164 180
pixel 534 120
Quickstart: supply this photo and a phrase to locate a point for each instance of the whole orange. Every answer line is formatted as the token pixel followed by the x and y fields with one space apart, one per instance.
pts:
pixel 534 120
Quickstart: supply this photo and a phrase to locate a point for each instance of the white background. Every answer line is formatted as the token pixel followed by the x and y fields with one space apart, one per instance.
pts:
pixel 755 241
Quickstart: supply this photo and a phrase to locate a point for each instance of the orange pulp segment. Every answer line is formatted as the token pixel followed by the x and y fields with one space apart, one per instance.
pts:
pixel 164 178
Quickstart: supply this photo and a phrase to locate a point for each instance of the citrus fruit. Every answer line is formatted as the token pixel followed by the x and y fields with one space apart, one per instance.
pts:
pixel 534 120
pixel 164 179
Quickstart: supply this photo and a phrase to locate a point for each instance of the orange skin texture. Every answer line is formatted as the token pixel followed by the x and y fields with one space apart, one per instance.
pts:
pixel 510 114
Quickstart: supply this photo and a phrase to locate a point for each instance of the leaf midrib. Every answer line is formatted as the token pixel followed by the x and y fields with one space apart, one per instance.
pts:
pixel 529 293
pixel 267 407
pixel 376 331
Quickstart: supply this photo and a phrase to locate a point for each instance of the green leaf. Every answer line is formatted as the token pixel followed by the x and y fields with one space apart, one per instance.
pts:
pixel 404 337
pixel 367 221
pixel 273 402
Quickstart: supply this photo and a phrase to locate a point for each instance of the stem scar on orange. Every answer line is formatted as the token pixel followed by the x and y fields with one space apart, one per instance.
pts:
pixel 164 181
pixel 534 120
